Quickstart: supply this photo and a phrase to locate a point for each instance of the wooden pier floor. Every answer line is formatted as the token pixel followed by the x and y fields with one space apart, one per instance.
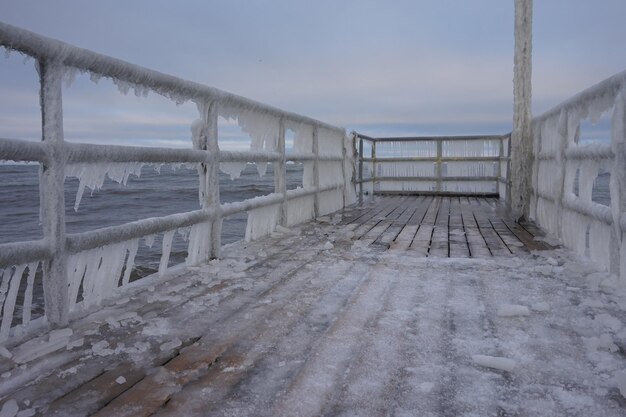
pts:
pixel 345 316
pixel 453 227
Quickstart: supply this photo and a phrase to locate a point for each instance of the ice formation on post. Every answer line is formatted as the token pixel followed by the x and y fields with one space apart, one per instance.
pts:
pixel 262 221
pixel 199 243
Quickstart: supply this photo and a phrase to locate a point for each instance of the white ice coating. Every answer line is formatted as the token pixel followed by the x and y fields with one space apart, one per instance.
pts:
pixel 98 272
pixel 262 221
pixel 92 175
pixel 165 253
pixel 262 128
pixel 589 228
pixel 233 169
pixel 300 210
pixel 11 279
pixel 199 243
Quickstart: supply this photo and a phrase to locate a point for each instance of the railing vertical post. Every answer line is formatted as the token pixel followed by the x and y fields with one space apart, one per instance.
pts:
pixel 499 167
pixel 52 193
pixel 360 170
pixel 617 185
pixel 280 173
pixel 211 192
pixel 316 171
pixel 438 169
pixel 373 167
pixel 343 169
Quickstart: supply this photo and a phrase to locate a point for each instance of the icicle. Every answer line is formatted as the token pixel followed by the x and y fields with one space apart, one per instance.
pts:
pixel 300 210
pixel 199 243
pixel 149 240
pixel 261 222
pixel 233 169
pixel 10 298
pixel 92 175
pixel 165 254
pixel 130 262
pixel 28 294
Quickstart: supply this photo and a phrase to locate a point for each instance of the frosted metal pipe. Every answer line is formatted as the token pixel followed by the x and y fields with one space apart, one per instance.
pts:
pixel 17 253
pixel 21 150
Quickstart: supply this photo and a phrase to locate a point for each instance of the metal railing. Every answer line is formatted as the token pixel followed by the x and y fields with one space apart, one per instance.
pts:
pixel 63 256
pixel 565 170
pixel 441 165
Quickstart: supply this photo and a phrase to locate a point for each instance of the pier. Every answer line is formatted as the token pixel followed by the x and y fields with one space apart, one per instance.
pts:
pixel 394 281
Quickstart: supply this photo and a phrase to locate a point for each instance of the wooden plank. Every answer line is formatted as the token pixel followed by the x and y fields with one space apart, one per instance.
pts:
pixel 404 238
pixel 511 241
pixel 424 203
pixel 525 237
pixel 439 246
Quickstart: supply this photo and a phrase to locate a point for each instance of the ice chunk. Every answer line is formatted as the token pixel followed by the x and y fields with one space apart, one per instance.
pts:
pixel 170 345
pixel 9 409
pixel 541 306
pixel 495 362
pixel 512 310
pixel 120 380
pixel 4 352
pixel 37 348
pixel 328 246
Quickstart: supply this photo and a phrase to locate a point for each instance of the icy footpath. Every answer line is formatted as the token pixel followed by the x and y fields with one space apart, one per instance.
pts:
pixel 311 322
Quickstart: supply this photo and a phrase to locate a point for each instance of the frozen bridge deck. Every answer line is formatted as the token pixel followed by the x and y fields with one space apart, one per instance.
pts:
pixel 347 316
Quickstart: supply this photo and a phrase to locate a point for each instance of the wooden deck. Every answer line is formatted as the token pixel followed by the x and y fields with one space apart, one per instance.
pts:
pixel 337 317
pixel 452 227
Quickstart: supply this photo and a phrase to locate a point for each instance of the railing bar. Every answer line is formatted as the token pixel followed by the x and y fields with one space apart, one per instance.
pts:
pixel 16 253
pixel 21 150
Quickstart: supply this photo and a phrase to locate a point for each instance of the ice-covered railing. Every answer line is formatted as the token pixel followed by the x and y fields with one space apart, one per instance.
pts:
pixel 80 270
pixel 445 165
pixel 565 170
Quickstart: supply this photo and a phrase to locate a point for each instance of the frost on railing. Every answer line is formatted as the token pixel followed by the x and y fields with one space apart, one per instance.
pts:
pixel 17 285
pixel 464 165
pixel 92 266
pixel 566 173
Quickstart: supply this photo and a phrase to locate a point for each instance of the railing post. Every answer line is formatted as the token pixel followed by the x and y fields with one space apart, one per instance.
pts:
pixel 316 172
pixel 360 170
pixel 438 169
pixel 499 167
pixel 617 185
pixel 280 173
pixel 373 167
pixel 343 168
pixel 52 193
pixel 208 141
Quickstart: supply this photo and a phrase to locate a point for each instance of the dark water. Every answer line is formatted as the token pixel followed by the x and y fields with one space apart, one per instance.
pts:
pixel 153 194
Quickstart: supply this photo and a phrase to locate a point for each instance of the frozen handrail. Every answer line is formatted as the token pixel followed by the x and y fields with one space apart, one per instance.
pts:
pixel 75 260
pixel 449 165
pixel 565 171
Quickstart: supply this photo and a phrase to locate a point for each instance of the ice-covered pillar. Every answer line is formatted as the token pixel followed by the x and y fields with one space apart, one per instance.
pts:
pixel 316 172
pixel 213 179
pixel 280 173
pixel 360 169
pixel 617 186
pixel 521 137
pixel 52 195
pixel 205 138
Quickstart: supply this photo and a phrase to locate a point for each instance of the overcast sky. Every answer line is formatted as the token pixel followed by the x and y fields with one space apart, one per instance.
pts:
pixel 380 67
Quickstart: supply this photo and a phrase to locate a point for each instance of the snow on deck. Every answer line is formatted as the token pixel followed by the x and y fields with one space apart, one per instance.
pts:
pixel 312 322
